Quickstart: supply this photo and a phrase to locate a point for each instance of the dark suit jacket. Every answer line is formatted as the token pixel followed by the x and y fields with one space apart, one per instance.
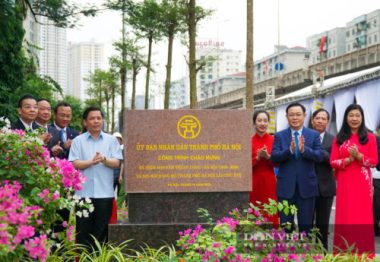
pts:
pixel 55 137
pixel 326 180
pixel 19 125
pixel 71 134
pixel 297 172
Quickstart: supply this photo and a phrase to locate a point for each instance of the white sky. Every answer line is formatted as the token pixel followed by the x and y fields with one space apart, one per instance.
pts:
pixel 298 20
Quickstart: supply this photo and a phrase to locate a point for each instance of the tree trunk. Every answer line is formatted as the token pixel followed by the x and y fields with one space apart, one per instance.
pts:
pixel 108 112
pixel 100 94
pixel 169 68
pixel 113 107
pixel 249 58
pixel 123 69
pixel 148 72
pixel 134 79
pixel 192 61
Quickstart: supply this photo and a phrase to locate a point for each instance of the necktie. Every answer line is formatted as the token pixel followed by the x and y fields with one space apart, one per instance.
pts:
pixel 63 137
pixel 297 153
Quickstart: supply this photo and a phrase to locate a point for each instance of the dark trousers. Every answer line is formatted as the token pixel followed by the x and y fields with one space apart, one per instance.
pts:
pixel 305 211
pixel 376 206
pixel 323 207
pixel 96 224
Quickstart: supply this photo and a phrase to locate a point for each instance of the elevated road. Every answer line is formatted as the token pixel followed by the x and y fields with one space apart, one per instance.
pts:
pixel 341 65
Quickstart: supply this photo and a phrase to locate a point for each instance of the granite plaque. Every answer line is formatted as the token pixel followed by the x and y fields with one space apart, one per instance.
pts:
pixel 188 151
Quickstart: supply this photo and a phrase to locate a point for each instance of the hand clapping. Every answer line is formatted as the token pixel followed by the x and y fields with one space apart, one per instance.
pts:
pixel 354 153
pixel 301 144
pixel 262 153
pixel 98 158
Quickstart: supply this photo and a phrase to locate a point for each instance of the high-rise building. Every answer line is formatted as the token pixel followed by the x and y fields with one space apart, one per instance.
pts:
pixel 219 62
pixel 327 45
pixel 32 35
pixel 84 58
pixel 53 54
pixel 179 93
pixel 363 31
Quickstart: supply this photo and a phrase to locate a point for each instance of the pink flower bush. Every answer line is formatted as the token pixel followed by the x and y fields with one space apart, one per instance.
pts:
pixel 244 237
pixel 17 221
pixel 232 223
pixel 27 212
pixel 71 178
pixel 37 247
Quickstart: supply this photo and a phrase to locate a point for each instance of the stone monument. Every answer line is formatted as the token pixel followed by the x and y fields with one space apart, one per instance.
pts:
pixel 177 161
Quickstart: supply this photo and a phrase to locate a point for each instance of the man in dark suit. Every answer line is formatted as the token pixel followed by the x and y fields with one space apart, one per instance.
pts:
pixel 326 180
pixel 295 150
pixel 51 135
pixel 27 111
pixel 62 118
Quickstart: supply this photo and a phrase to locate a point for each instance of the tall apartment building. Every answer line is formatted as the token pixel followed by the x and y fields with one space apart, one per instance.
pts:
pixel 327 45
pixel 84 58
pixel 47 44
pixel 53 53
pixel 219 62
pixel 363 31
pixel 282 61
pixel 32 34
pixel 179 93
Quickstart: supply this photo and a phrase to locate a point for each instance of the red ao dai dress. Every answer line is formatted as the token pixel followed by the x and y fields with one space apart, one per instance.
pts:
pixel 263 177
pixel 354 218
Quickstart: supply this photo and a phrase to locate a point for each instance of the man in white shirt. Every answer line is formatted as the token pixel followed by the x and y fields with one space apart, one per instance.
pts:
pixel 95 154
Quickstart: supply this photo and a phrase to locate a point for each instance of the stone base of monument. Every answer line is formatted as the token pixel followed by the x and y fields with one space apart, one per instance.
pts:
pixel 156 218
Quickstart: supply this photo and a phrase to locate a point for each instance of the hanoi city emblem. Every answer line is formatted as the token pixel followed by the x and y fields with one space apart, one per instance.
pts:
pixel 189 127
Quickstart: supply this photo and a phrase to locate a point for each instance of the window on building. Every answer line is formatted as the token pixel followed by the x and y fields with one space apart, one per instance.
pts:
pixel 369 40
pixel 375 38
pixel 353 31
pixel 202 76
pixel 209 76
pixel 374 23
pixel 334 53
pixel 348 48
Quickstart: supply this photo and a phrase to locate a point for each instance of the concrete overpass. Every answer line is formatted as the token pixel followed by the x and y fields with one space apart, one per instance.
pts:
pixel 347 63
